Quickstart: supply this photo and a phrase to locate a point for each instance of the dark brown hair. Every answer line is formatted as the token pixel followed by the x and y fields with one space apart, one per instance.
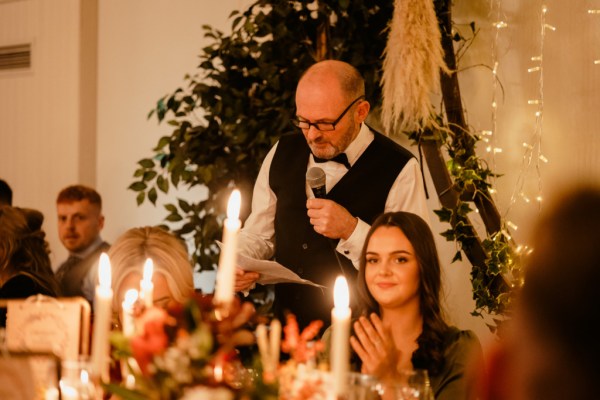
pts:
pixel 429 354
pixel 78 193
pixel 23 247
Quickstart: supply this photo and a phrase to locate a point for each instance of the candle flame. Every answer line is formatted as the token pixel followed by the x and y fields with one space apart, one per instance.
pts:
pixel 104 276
pixel 341 295
pixel 148 270
pixel 131 297
pixel 234 204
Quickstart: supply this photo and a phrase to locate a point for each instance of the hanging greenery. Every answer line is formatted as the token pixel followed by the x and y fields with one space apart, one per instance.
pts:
pixel 230 113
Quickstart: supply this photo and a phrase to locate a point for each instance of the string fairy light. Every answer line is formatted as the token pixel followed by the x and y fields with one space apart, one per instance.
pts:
pixel 533 148
pixel 490 135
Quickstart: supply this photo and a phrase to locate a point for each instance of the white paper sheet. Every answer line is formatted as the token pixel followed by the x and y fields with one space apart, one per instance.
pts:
pixel 271 271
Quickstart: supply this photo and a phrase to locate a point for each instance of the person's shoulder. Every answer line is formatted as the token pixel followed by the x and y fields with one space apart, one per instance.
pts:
pixel 462 344
pixel 20 286
pixel 388 144
pixel 456 335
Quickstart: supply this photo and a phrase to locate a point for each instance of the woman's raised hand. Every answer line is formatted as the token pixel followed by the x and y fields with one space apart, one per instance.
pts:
pixel 375 347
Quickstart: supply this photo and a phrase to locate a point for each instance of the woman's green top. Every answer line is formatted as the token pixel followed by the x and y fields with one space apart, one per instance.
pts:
pixel 462 348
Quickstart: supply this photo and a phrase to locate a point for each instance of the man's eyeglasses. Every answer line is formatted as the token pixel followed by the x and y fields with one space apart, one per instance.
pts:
pixel 324 126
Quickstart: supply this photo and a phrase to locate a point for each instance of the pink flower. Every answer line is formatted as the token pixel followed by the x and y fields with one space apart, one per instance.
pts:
pixel 152 339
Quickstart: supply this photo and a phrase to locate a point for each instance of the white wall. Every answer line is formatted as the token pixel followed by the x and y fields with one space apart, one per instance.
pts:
pixel 145 47
pixel 39 108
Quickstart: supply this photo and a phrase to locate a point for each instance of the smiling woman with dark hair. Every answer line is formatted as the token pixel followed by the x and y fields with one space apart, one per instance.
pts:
pixel 402 327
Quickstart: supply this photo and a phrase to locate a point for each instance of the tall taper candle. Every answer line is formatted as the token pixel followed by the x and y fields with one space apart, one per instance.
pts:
pixel 146 285
pixel 102 317
pixel 228 259
pixel 340 337
pixel 128 305
pixel 275 342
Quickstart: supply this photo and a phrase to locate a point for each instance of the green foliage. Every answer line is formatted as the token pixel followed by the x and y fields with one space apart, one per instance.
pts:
pixel 471 177
pixel 240 101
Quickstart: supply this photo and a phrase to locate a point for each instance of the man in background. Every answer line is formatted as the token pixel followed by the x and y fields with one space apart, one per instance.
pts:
pixel 80 221
pixel 5 194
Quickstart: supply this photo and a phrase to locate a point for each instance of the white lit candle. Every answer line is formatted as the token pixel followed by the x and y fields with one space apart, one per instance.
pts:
pixel 263 347
pixel 275 339
pixel 340 336
pixel 146 285
pixel 228 258
pixel 102 317
pixel 128 305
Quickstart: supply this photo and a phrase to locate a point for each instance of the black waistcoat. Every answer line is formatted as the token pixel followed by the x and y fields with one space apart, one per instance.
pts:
pixel 72 282
pixel 363 191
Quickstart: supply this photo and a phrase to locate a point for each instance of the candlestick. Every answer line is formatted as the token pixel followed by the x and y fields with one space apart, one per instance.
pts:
pixel 340 336
pixel 128 305
pixel 228 259
pixel 102 317
pixel 146 285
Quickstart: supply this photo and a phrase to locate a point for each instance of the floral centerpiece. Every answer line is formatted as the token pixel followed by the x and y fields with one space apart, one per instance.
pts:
pixel 189 352
pixel 300 377
pixel 186 351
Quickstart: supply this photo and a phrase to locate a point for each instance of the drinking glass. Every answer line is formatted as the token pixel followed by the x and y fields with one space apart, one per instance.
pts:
pixel 410 385
pixel 75 381
pixel 362 387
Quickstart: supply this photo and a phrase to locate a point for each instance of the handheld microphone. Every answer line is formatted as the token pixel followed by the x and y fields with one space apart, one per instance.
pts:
pixel 315 177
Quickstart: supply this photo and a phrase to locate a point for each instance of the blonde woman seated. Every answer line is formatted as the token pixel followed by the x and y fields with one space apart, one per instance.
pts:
pixel 402 326
pixel 172 277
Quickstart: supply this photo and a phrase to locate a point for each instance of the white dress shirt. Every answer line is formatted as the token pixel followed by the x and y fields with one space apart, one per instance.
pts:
pixel 406 194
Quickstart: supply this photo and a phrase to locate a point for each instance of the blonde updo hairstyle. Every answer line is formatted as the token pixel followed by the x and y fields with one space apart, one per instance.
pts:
pixel 169 256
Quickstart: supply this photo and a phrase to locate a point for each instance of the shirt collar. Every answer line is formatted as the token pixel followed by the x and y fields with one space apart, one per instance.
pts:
pixel 90 249
pixel 359 144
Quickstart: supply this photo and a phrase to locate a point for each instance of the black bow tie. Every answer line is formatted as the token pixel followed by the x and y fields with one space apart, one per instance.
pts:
pixel 341 158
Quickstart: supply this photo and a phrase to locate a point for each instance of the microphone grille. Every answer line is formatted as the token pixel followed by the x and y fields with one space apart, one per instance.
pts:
pixel 315 177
